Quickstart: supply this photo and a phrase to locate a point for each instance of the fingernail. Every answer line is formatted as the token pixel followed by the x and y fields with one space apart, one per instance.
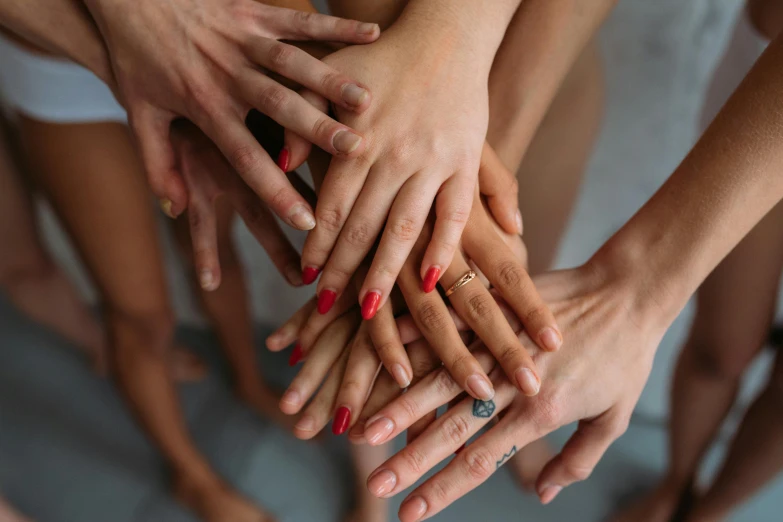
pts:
pixel 480 387
pixel 341 420
pixel 430 279
pixel 296 355
pixel 354 95
pixel 206 280
pixel 292 397
pixel 378 431
pixel 326 301
pixel 459 450
pixel 346 141
pixel 527 381
pixel 165 206
pixel 382 482
pixel 310 274
pixel 415 506
pixel 306 423
pixel 550 339
pixel 283 159
pixel 370 305
pixel 302 218
pixel 401 376
pixel 518 219
pixel 367 28
pixel 548 493
pixel 293 275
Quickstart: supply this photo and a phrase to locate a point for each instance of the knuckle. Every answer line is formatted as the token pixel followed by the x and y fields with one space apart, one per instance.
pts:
pixel 280 55
pixel 421 366
pixel 439 493
pixel 330 81
pixel 273 99
pixel 430 317
pixel 548 413
pixel 352 388
pixel 508 354
pixel 575 472
pixel 414 460
pixel 409 406
pixel 324 128
pixel 403 230
pixel 444 383
pixel 244 159
pixel 478 306
pixel 304 21
pixel 479 463
pixel 509 274
pixel 455 429
pixel 358 234
pixel 387 348
pixel 331 219
pixel 535 314
pixel 457 216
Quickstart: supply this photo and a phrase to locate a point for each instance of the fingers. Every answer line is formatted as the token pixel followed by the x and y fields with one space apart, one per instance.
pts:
pixel 203 233
pixel 289 331
pixel 439 441
pixel 429 394
pixel 263 177
pixel 452 209
pixel 310 72
pixel 579 456
pixel 470 468
pixel 499 185
pixel 386 340
pixel 360 372
pixel 474 303
pixel 318 322
pixel 403 227
pixel 316 415
pixel 301 25
pixel 151 130
pixel 296 149
pixel 509 277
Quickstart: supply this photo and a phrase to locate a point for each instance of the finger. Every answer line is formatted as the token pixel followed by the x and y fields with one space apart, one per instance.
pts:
pixel 296 149
pixel 469 469
pixel 289 331
pixel 320 360
pixel 389 347
pixel 429 394
pixel 404 225
pixel 317 414
pixel 423 361
pixel 438 442
pixel 318 322
pixel 452 209
pixel 151 129
pixel 409 332
pixel 499 185
pixel 383 391
pixel 310 72
pixel 256 168
pixel 579 456
pixel 360 372
pixel 474 303
pixel 203 233
pixel 302 25
pixel 507 274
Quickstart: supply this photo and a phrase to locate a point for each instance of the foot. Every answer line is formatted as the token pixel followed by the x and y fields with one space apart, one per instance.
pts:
pixel 266 403
pixel 370 509
pixel 214 501
pixel 659 505
pixel 527 464
pixel 9 514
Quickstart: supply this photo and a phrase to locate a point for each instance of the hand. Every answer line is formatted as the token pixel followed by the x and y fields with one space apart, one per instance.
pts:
pixel 208 176
pixel 596 378
pixel 202 60
pixel 424 133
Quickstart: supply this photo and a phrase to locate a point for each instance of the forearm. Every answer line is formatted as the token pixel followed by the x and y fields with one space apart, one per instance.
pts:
pixel 63 27
pixel 541 46
pixel 728 182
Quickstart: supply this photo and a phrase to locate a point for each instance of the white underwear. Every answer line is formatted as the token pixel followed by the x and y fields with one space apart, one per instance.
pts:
pixel 53 90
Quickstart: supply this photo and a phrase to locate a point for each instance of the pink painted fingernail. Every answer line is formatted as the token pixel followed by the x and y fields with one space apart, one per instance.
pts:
pixel 306 423
pixel 550 339
pixel 527 381
pixel 207 280
pixel 518 219
pixel 382 482
pixel 378 431
pixel 346 142
pixel 401 376
pixel 548 493
pixel 302 217
pixel 292 397
pixel 354 95
pixel 480 387
pixel 415 506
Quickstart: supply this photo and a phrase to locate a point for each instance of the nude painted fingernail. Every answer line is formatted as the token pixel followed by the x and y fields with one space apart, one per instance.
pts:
pixel 293 398
pixel 354 95
pixel 518 219
pixel 293 275
pixel 527 381
pixel 206 280
pixel 165 206
pixel 550 339
pixel 548 493
pixel 480 387
pixel 367 28
pixel 382 482
pixel 306 423
pixel 302 218
pixel 415 506
pixel 401 376
pixel 378 431
pixel 346 142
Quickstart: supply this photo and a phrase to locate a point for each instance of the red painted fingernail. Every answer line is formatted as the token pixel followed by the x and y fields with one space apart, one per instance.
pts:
pixel 283 159
pixel 296 355
pixel 341 420
pixel 370 305
pixel 326 301
pixel 310 274
pixel 459 449
pixel 430 279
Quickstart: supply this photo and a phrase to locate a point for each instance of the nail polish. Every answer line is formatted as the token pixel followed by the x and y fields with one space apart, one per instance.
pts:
pixel 310 274
pixel 378 431
pixel 296 355
pixel 480 387
pixel 548 493
pixel 527 381
pixel 326 300
pixel 550 339
pixel 430 279
pixel 283 159
pixel 382 483
pixel 341 420
pixel 345 142
pixel 302 217
pixel 370 305
pixel 354 95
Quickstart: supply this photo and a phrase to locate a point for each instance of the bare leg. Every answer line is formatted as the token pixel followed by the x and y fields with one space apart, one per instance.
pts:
pixel 31 279
pixel 9 514
pixel 95 182
pixel 369 508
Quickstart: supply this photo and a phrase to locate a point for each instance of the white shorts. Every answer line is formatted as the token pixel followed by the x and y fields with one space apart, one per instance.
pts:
pixel 53 90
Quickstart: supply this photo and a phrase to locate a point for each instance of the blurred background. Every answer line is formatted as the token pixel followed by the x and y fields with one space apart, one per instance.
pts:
pixel 70 452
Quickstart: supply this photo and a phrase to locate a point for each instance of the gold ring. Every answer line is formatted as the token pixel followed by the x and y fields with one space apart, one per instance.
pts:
pixel 462 281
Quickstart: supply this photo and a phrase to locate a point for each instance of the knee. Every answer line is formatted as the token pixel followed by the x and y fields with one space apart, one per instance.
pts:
pixel 147 333
pixel 710 360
